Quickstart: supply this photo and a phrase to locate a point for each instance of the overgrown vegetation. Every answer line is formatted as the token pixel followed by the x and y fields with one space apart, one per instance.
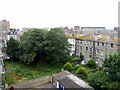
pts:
pixel 109 76
pixel 21 72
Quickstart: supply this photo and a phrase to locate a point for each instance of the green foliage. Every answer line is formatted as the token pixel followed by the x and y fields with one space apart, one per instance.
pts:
pixel 81 70
pixel 40 46
pixel 22 71
pixel 100 68
pixel 100 80
pixel 56 46
pixel 13 50
pixel 91 63
pixel 77 66
pixel 75 60
pixel 81 57
pixel 31 46
pixel 67 66
pixel 10 78
pixel 112 66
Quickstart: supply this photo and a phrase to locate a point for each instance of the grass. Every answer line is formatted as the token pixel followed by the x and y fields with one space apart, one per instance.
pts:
pixel 24 73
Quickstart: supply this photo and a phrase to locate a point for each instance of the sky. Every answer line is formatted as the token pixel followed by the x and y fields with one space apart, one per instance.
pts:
pixel 57 13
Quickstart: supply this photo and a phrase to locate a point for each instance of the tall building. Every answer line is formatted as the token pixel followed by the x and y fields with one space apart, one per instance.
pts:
pixel 4 29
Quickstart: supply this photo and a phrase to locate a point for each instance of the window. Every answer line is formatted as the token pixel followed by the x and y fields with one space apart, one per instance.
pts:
pixel 97 43
pixel 81 41
pixel 90 56
pixel 90 49
pixel 101 53
pixel 97 51
pixel 80 47
pixel 73 45
pixel 86 42
pixel 86 48
pixel 102 44
pixel 90 42
pixel 96 58
pixel 111 45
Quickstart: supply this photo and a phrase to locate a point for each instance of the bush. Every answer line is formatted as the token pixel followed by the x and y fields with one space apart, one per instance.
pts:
pixel 112 66
pixel 67 66
pixel 100 80
pixel 81 70
pixel 91 63
pixel 77 66
pixel 75 60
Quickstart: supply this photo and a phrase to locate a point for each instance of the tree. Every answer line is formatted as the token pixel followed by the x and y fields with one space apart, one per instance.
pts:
pixel 13 49
pixel 112 66
pixel 56 46
pixel 32 50
pixel 40 46
pixel 81 57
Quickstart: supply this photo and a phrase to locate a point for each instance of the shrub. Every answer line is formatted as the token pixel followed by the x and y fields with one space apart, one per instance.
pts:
pixel 91 63
pixel 81 70
pixel 77 66
pixel 67 66
pixel 75 60
pixel 100 80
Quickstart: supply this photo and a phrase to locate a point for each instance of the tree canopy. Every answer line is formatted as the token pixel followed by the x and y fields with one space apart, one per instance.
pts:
pixel 44 46
pixel 13 49
pixel 112 66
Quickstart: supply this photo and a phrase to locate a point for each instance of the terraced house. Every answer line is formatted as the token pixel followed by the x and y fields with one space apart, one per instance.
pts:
pixel 95 46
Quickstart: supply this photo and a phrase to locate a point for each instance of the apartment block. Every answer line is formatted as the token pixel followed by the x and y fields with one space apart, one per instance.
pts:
pixel 4 29
pixel 95 46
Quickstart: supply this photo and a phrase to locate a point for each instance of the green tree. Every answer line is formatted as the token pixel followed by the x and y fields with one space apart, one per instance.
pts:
pixel 32 50
pixel 40 46
pixel 112 66
pixel 81 57
pixel 56 46
pixel 13 49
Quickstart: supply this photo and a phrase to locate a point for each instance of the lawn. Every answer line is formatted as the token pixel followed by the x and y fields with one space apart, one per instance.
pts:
pixel 21 72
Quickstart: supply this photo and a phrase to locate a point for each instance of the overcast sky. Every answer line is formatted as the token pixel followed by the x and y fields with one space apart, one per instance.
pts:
pixel 56 13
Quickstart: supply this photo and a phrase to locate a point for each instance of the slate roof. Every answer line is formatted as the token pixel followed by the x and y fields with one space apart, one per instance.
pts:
pixel 71 81
pixel 68 83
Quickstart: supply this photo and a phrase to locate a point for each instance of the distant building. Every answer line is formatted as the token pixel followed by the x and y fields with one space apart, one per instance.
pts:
pixel 4 29
pixel 96 47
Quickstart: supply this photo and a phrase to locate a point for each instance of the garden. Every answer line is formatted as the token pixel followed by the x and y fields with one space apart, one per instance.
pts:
pixel 17 72
pixel 106 77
